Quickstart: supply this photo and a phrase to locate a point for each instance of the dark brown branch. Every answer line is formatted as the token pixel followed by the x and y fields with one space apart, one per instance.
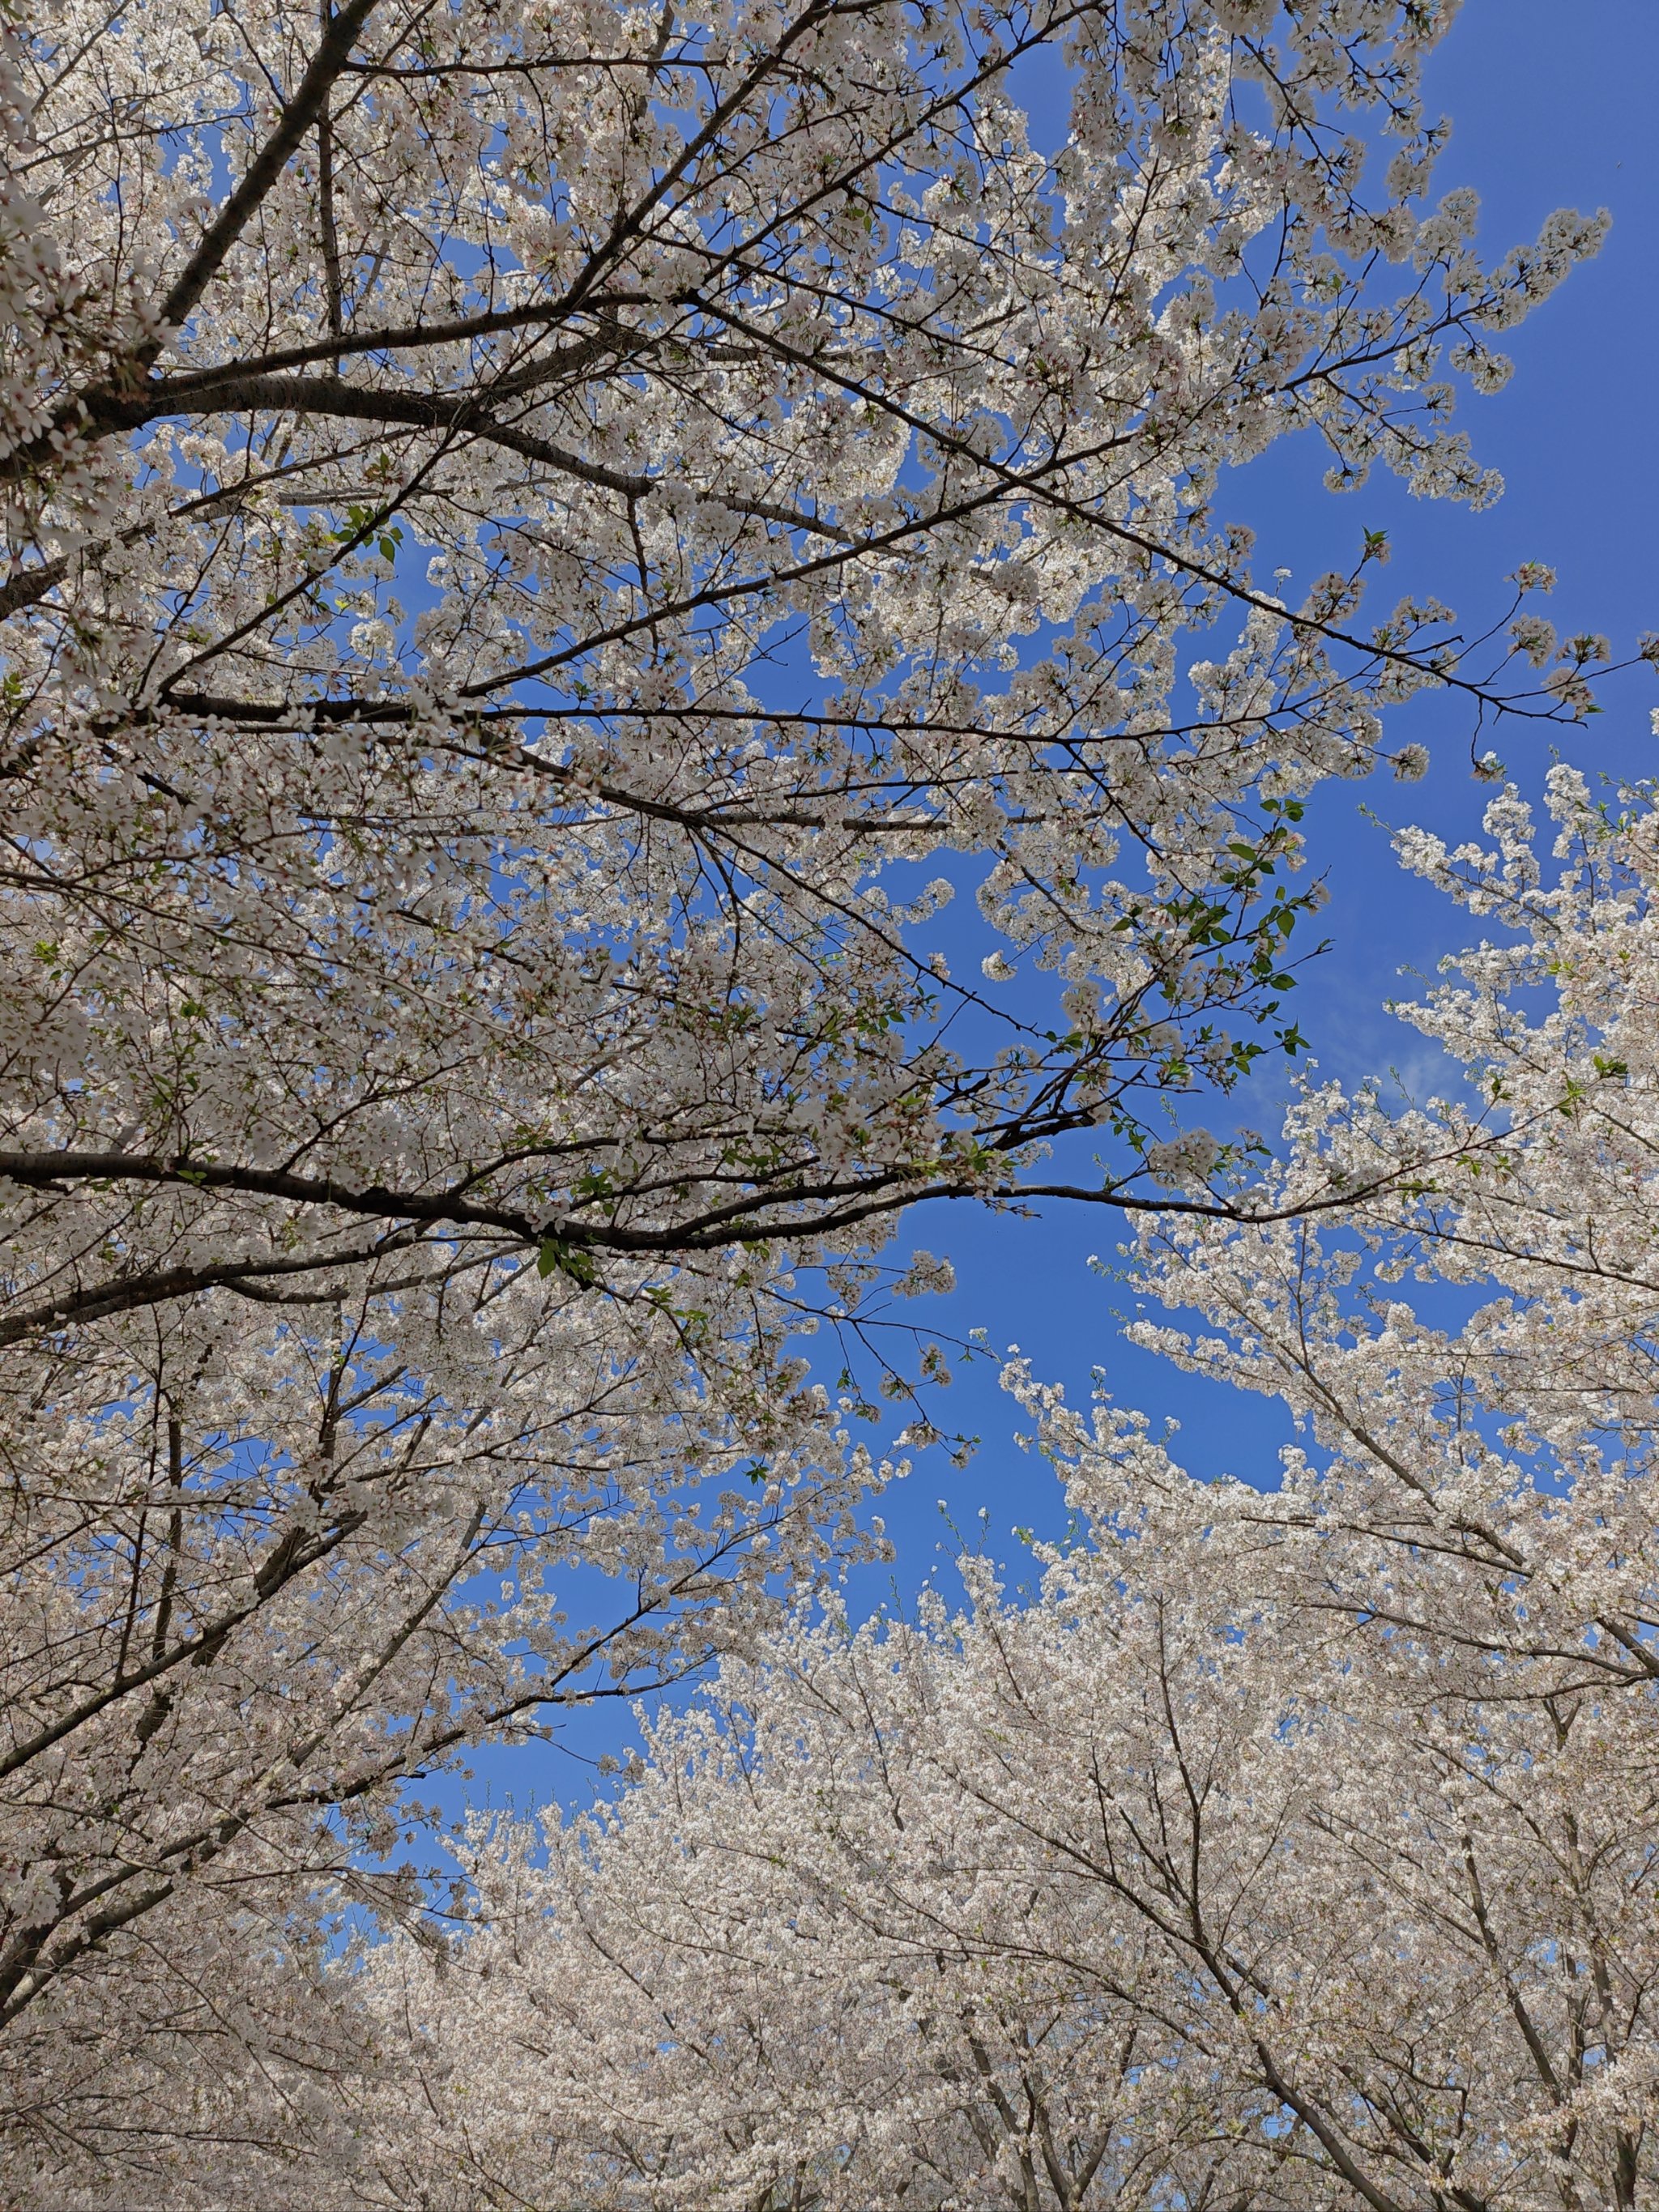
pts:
pixel 296 119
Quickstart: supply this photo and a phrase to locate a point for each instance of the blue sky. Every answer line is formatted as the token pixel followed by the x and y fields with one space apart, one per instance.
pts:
pixel 1551 102
pixel 1552 105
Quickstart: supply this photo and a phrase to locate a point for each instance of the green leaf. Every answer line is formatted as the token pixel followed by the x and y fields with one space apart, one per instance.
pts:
pixel 569 1259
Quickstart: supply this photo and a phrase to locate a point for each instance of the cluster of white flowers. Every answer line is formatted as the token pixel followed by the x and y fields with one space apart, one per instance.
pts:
pixel 1294 1847
pixel 449 998
pixel 1187 1158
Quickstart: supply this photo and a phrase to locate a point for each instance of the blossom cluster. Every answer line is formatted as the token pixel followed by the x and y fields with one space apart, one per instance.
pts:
pixel 528 525
pixel 1293 1844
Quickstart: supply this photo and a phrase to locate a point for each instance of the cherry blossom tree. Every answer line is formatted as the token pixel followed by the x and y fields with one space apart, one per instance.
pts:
pixel 531 530
pixel 1290 1847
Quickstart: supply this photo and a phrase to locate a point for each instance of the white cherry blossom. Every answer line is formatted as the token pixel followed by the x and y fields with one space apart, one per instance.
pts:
pixel 1289 1846
pixel 526 523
